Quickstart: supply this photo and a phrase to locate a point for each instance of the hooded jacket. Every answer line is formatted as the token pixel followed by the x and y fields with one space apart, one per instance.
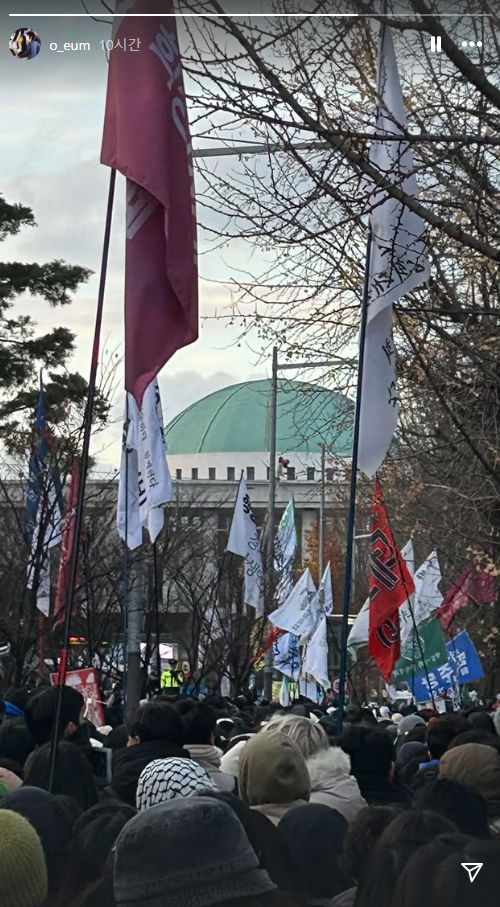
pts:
pixel 209 758
pixel 332 783
pixel 128 763
pixel 273 776
pixel 478 766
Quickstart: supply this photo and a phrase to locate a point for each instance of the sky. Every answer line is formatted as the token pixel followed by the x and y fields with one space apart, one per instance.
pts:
pixel 52 112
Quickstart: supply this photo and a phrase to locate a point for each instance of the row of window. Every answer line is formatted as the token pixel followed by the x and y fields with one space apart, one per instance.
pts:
pixel 250 474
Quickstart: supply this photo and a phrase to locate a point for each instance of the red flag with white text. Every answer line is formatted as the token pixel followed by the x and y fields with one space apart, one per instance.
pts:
pixel 146 137
pixel 391 584
pixel 67 547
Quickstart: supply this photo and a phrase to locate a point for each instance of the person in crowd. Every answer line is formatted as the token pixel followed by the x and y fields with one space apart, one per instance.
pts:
pixel 371 752
pixel 200 725
pixel 410 724
pixel 435 875
pixel 480 720
pixel 329 767
pixel 155 864
pixel 478 766
pixel 230 762
pixel 397 844
pixel 273 776
pixel 41 711
pixel 461 804
pixel 72 777
pixel 23 872
pixel 362 836
pixel 96 833
pixel 167 779
pixel 52 824
pixel 271 847
pixel 16 742
pixel 315 834
pixel 154 731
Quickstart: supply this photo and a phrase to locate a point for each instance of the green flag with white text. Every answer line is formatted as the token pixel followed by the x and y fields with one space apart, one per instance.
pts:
pixel 431 649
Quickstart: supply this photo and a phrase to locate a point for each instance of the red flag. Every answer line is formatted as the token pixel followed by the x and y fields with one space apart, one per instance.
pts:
pixel 473 585
pixel 390 585
pixel 146 137
pixel 67 547
pixel 274 634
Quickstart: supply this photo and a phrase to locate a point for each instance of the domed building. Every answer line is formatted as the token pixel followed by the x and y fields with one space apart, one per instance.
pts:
pixel 226 434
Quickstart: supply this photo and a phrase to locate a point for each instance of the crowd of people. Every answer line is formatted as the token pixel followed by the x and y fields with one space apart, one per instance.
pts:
pixel 200 803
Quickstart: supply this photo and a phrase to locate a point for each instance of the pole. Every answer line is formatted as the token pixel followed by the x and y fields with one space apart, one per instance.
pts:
pixel 134 627
pixel 157 614
pixel 87 431
pixel 352 495
pixel 321 555
pixel 268 661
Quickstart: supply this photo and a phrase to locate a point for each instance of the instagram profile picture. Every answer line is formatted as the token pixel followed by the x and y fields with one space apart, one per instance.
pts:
pixel 25 44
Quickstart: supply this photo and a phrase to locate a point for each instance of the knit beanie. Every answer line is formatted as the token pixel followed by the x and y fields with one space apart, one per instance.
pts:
pixel 165 779
pixel 23 873
pixel 272 770
pixel 186 853
pixel 478 766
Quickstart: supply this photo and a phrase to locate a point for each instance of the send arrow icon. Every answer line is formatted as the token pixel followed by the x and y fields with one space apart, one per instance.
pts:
pixel 472 869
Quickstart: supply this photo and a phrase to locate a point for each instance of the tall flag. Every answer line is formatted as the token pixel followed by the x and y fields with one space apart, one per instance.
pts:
pixel 147 138
pixel 474 586
pixel 244 540
pixel 397 264
pixel 285 548
pixel 67 547
pixel 299 612
pixel 360 631
pixel 316 659
pixel 145 484
pixel 426 600
pixel 391 584
pixel 44 508
pixel 286 656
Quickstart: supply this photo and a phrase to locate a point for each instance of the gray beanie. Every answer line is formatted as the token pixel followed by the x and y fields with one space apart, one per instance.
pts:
pixel 187 852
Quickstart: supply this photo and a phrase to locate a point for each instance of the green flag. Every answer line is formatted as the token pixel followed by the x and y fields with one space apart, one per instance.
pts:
pixel 432 645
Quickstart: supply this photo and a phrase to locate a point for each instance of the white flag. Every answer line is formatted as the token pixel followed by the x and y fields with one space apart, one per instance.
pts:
pixel 358 636
pixel 308 688
pixel 145 484
pixel 323 602
pixel 426 599
pixel 244 540
pixel 285 551
pixel 296 614
pixel 43 591
pixel 316 660
pixel 284 694
pixel 397 265
pixel 286 656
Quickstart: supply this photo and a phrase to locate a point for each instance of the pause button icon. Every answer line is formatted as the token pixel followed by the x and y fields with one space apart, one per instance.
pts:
pixel 436 45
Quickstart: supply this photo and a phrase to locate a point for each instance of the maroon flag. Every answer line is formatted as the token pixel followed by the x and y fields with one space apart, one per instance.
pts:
pixel 391 584
pixel 474 585
pixel 67 547
pixel 146 137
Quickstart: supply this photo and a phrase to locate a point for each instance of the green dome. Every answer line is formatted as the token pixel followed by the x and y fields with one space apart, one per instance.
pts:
pixel 236 420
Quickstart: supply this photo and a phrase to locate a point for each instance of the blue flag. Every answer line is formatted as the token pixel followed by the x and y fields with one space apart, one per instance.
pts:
pixel 463 666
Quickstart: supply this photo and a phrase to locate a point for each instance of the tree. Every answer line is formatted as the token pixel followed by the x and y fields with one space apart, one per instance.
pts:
pixel 23 354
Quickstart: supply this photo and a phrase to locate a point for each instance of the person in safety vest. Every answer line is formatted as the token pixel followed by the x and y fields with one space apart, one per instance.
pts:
pixel 171 678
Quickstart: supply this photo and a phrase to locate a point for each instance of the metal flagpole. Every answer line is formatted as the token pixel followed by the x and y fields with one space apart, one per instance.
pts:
pixel 87 431
pixel 269 657
pixel 352 495
pixel 321 542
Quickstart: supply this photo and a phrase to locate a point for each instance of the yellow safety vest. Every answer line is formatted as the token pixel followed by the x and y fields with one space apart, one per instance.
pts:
pixel 170 679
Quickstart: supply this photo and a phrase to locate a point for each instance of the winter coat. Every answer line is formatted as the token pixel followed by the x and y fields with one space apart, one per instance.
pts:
pixel 332 784
pixel 128 763
pixel 276 811
pixel 209 758
pixel 346 899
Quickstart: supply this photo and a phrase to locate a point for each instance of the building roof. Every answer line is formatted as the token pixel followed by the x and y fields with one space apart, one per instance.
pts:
pixel 237 418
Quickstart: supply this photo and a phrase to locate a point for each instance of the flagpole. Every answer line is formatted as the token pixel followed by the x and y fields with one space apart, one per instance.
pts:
pixel 353 487
pixel 87 431
pixel 321 539
pixel 269 656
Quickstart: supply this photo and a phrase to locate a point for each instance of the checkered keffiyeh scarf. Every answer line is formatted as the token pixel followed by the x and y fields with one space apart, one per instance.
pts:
pixel 165 779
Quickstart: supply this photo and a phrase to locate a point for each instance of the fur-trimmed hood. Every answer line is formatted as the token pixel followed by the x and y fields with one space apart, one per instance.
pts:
pixel 332 783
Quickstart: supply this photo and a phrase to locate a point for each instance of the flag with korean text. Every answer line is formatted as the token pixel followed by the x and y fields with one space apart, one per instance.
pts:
pixel 299 612
pixel 391 584
pixel 285 552
pixel 147 139
pixel 145 484
pixel 397 263
pixel 244 540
